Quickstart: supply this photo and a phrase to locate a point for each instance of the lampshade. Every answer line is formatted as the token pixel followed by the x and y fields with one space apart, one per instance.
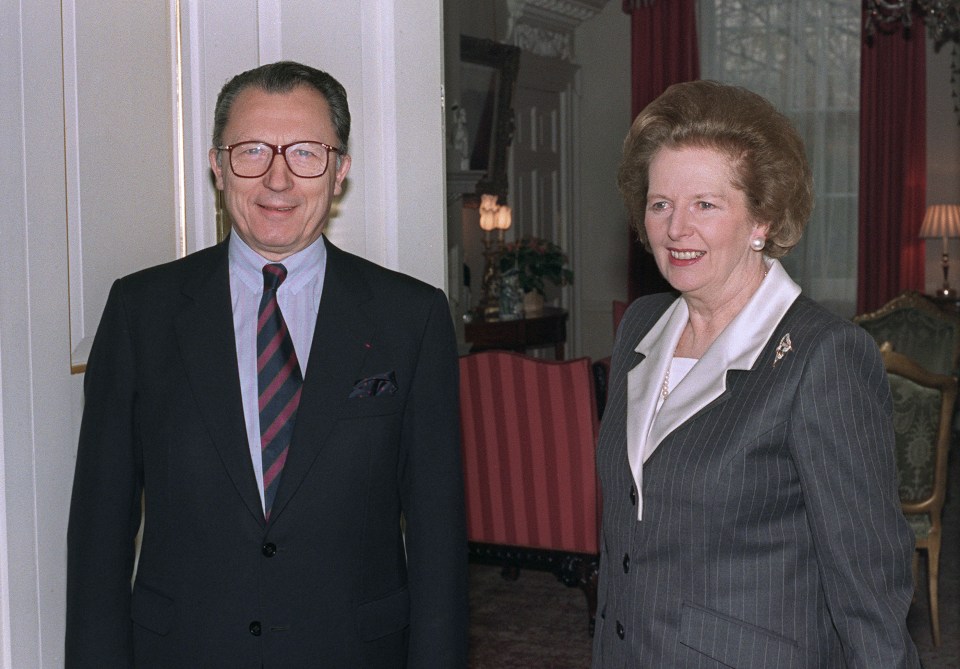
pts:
pixel 487 220
pixel 488 202
pixel 941 220
pixel 503 217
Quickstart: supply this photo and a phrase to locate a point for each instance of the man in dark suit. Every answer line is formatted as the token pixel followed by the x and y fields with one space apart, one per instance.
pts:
pixel 273 405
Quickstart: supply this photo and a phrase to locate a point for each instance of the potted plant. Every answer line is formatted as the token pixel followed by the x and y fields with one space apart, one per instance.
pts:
pixel 536 261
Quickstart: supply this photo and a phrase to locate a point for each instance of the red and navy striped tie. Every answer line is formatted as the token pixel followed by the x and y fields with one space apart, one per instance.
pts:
pixel 279 381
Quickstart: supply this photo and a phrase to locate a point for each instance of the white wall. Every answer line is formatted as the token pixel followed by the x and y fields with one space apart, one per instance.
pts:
pixel 943 159
pixel 603 53
pixel 121 151
pixel 92 188
pixel 39 397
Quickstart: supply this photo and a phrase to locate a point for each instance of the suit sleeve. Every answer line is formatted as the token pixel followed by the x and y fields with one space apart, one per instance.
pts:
pixel 105 506
pixel 431 485
pixel 842 434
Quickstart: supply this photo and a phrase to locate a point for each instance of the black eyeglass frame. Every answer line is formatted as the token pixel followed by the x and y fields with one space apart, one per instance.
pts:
pixel 278 150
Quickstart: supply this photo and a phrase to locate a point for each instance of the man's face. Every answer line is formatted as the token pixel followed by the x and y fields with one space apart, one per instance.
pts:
pixel 279 213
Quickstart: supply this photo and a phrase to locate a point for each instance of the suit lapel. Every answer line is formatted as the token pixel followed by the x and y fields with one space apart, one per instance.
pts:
pixel 340 340
pixel 734 352
pixel 736 349
pixel 645 379
pixel 208 345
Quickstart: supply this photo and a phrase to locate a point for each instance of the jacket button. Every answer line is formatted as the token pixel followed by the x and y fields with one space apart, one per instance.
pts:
pixel 621 632
pixel 633 495
pixel 626 563
pixel 255 628
pixel 269 550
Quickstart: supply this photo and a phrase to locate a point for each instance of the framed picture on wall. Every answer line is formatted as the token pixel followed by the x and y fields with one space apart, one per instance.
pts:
pixel 488 74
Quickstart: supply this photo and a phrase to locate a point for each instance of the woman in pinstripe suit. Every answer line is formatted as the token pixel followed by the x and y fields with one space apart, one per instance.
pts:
pixel 751 516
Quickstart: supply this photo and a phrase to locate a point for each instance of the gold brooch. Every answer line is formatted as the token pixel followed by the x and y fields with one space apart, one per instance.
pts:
pixel 784 347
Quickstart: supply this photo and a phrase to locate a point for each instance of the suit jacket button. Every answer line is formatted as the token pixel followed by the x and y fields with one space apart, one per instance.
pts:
pixel 621 632
pixel 626 563
pixel 255 628
pixel 269 550
pixel 633 495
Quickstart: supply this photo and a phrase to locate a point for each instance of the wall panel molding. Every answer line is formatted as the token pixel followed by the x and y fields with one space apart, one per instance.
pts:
pixel 122 147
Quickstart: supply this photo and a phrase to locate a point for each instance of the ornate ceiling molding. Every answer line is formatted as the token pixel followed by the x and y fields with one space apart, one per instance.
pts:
pixel 546 27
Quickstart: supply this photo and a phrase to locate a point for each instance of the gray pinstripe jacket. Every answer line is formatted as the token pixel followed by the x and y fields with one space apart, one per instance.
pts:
pixel 772 534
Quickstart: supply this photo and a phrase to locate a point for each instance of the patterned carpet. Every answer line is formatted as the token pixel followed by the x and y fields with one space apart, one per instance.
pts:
pixel 533 622
pixel 537 622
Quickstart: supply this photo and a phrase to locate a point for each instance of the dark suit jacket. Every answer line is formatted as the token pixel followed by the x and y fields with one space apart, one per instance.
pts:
pixel 330 581
pixel 771 534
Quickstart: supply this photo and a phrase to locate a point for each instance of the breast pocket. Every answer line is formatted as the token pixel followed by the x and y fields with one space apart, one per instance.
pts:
pixel 365 407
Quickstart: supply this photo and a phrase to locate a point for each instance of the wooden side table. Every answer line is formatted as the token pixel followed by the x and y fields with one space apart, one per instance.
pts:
pixel 548 328
pixel 950 304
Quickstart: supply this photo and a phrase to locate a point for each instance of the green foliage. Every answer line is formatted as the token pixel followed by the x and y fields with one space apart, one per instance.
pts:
pixel 536 261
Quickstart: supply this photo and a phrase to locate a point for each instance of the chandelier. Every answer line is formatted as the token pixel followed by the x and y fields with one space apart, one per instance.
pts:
pixel 942 17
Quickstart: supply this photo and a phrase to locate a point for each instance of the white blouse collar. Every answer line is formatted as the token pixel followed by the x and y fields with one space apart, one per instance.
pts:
pixel 737 347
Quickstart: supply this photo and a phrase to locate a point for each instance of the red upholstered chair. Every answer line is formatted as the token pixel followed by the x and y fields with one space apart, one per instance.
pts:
pixel 529 430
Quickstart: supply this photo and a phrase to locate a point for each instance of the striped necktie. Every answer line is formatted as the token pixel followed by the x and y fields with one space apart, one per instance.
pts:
pixel 278 380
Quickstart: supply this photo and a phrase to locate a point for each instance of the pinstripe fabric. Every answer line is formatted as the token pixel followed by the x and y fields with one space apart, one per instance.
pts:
pixel 772 532
pixel 529 430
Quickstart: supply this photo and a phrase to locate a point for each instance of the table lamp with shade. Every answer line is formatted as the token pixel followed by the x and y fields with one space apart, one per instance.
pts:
pixel 942 221
pixel 497 217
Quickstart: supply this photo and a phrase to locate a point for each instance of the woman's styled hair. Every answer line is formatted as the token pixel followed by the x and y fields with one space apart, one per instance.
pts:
pixel 765 152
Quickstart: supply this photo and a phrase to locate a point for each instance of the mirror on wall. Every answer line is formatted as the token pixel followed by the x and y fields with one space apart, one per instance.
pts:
pixel 488 74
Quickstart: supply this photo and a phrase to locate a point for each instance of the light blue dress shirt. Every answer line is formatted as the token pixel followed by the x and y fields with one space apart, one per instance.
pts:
pixel 299 299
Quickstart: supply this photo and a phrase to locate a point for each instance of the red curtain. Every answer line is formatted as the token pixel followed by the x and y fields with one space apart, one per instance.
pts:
pixel 663 47
pixel 893 178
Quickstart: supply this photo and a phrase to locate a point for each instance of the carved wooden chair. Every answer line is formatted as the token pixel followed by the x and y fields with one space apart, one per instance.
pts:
pixel 529 429
pixel 601 383
pixel 922 412
pixel 919 329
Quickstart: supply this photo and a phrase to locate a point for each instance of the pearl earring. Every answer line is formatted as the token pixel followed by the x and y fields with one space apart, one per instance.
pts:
pixel 757 243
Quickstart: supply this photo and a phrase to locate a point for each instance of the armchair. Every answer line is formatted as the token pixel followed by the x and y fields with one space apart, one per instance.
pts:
pixel 922 411
pixel 529 429
pixel 918 328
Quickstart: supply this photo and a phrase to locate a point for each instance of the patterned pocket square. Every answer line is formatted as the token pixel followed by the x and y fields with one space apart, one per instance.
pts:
pixel 378 384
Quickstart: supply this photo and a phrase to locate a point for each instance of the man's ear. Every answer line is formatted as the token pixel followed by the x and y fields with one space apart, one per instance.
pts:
pixel 216 168
pixel 342 169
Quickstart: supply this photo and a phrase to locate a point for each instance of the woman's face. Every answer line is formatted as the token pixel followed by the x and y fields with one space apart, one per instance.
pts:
pixel 699 226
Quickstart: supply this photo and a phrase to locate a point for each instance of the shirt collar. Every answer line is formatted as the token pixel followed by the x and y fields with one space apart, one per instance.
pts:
pixel 739 345
pixel 302 266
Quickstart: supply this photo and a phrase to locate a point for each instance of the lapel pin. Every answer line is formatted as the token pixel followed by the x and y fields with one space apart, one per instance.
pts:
pixel 784 347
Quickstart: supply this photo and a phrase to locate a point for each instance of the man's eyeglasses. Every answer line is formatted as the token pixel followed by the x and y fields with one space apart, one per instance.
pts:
pixel 253 159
